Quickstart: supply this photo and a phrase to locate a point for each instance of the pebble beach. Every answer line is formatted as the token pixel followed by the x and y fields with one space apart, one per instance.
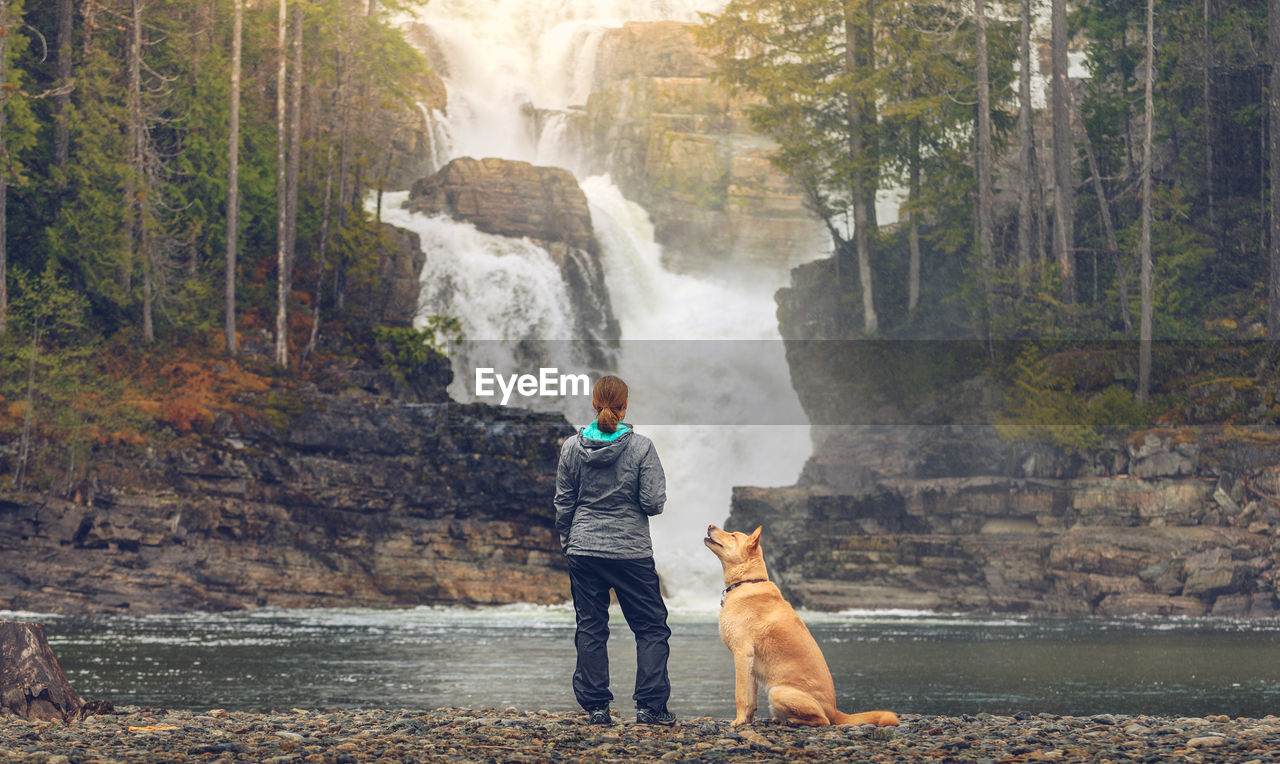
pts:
pixel 133 734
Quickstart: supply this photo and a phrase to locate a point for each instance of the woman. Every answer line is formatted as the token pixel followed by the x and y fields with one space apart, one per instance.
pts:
pixel 607 486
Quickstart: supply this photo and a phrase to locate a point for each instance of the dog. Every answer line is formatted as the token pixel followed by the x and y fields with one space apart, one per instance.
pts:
pixel 771 645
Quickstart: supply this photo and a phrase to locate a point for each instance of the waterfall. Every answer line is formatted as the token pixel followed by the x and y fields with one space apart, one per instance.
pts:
pixel 511 68
pixel 697 319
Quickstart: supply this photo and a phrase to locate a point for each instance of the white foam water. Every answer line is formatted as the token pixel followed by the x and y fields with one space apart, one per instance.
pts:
pixel 512 68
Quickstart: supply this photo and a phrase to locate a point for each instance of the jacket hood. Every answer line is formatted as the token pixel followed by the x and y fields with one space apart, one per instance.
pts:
pixel 602 453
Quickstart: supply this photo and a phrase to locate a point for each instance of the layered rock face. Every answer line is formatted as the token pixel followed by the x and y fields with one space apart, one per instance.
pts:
pixel 915 503
pixel 396 290
pixel 350 500
pixel 675 142
pixel 1114 545
pixel 509 198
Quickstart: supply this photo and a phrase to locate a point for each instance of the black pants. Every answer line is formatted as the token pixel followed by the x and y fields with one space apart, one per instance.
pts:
pixel 636 584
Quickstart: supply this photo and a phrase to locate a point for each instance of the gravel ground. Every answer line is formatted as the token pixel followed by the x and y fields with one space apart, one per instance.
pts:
pixel 450 734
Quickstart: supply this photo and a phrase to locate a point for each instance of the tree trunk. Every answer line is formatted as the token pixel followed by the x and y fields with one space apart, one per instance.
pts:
pixel 870 120
pixel 1144 331
pixel 4 176
pixel 858 185
pixel 233 180
pixel 1263 89
pixel 1208 122
pixel 1026 151
pixel 1273 47
pixel 32 684
pixel 1122 268
pixel 320 264
pixel 291 181
pixel 984 155
pixel 913 224
pixel 139 169
pixel 1108 228
pixel 1063 188
pixel 282 196
pixel 295 141
pixel 62 101
pixel 344 156
pixel 88 27
pixel 28 409
pixel 148 288
pixel 344 152
pixel 326 213
pixel 133 105
pixel 382 184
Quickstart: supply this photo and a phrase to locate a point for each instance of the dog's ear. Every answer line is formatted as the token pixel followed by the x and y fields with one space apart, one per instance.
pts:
pixel 754 538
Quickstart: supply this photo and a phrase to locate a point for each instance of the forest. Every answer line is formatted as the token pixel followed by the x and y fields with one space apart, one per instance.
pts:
pixel 1119 205
pixel 184 186
pixel 184 182
pixel 1038 209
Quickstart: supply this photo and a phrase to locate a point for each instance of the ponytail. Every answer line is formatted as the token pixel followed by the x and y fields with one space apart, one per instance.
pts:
pixel 609 398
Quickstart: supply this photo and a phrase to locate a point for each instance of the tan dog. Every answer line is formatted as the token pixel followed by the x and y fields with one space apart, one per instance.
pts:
pixel 771 645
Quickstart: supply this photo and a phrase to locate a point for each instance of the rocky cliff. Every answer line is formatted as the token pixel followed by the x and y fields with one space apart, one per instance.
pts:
pixel 674 141
pixel 916 502
pixel 393 300
pixel 340 499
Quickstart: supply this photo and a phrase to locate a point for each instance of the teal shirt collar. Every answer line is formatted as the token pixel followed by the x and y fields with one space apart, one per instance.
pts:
pixel 593 432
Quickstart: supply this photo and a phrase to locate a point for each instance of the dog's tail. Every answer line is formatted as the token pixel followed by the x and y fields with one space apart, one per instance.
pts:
pixel 876 718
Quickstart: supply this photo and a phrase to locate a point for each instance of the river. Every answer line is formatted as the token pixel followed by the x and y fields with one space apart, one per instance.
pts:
pixel 523 656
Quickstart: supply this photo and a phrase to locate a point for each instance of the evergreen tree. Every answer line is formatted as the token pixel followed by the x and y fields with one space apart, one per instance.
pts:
pixel 233 183
pixel 850 118
pixel 16 131
pixel 984 155
pixel 1063 152
pixel 1144 253
pixel 42 357
pixel 1273 277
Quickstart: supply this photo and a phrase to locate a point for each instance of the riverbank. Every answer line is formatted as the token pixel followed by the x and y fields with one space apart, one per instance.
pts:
pixel 443 735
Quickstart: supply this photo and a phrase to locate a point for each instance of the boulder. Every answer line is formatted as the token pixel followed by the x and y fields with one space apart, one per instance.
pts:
pixel 1232 606
pixel 509 198
pixel 1213 572
pixel 395 291
pixel 1162 453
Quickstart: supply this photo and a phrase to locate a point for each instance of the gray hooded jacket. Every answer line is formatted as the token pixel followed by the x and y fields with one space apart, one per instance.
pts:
pixel 605 493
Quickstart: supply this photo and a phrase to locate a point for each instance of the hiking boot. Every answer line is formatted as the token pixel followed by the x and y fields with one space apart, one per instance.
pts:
pixel 655 716
pixel 599 715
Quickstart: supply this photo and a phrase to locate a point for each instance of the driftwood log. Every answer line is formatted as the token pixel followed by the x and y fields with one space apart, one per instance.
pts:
pixel 32 684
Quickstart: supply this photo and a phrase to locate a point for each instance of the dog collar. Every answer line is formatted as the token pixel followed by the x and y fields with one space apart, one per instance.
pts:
pixel 731 587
